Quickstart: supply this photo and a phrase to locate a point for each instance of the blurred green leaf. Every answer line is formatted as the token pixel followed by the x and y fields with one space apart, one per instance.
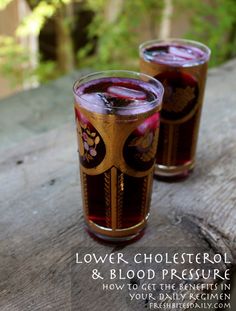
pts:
pixel 4 3
pixel 113 35
pixel 118 40
pixel 33 23
pixel 214 23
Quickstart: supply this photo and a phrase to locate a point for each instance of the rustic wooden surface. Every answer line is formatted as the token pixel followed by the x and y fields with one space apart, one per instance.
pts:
pixel 41 223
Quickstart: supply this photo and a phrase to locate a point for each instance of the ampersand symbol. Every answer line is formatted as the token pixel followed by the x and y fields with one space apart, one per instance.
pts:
pixel 96 275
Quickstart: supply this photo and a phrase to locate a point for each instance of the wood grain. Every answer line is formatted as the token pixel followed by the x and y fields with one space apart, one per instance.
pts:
pixel 41 223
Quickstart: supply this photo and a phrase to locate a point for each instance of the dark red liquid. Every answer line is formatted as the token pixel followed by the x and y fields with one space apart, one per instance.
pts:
pixel 130 211
pixel 181 88
pixel 182 70
pixel 117 95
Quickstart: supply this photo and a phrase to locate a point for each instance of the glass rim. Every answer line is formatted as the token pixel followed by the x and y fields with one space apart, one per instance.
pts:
pixel 156 86
pixel 187 63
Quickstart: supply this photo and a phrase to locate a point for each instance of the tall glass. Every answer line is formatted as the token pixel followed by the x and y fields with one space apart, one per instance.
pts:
pixel 117 117
pixel 181 66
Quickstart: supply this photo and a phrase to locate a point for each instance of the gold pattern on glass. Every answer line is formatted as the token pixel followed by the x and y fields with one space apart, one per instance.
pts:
pixel 87 141
pixel 175 143
pixel 144 196
pixel 120 194
pixel 113 198
pixel 176 101
pixel 198 71
pixel 107 190
pixel 114 130
pixel 146 142
pixel 85 192
pixel 170 144
pixel 149 193
pixel 179 100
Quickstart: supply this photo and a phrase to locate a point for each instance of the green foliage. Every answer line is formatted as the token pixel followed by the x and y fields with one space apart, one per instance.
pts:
pixel 46 71
pixel 4 3
pixel 33 23
pixel 213 23
pixel 118 36
pixel 15 64
pixel 14 60
pixel 116 30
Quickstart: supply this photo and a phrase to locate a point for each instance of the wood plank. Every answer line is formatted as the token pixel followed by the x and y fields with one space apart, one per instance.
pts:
pixel 41 222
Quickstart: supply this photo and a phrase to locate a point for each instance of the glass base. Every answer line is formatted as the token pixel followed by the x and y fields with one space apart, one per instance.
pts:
pixel 116 238
pixel 108 239
pixel 173 173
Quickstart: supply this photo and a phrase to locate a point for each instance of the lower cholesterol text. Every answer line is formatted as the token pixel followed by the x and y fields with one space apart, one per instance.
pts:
pixel 157 258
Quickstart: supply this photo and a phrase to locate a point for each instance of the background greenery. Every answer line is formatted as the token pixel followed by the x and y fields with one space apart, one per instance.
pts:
pixel 112 34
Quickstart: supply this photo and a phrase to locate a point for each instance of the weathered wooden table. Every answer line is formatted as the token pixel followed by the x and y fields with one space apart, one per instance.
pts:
pixel 41 221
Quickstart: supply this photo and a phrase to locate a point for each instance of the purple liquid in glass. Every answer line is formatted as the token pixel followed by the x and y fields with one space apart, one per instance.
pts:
pixel 182 70
pixel 124 97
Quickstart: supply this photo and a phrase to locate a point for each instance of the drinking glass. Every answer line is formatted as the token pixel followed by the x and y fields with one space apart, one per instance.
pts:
pixel 181 66
pixel 117 118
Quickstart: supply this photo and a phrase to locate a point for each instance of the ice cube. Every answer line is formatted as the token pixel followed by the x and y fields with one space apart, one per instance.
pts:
pixel 126 93
pixel 182 53
pixel 150 123
pixel 196 52
pixel 135 107
pixel 93 102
